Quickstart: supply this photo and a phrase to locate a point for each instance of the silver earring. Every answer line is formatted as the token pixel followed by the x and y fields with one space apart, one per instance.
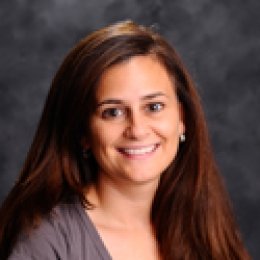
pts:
pixel 182 138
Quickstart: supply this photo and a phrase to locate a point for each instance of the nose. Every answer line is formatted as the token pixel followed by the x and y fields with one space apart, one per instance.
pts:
pixel 137 127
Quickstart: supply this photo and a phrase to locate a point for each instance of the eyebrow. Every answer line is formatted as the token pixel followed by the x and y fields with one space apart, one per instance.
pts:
pixel 119 101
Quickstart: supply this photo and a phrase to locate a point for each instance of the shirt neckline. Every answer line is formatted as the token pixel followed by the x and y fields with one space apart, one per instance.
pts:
pixel 98 242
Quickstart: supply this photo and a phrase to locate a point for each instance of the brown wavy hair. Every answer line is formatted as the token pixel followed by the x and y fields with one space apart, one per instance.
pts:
pixel 191 213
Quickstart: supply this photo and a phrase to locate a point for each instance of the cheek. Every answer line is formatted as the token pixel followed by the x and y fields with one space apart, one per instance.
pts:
pixel 168 129
pixel 98 139
pixel 102 136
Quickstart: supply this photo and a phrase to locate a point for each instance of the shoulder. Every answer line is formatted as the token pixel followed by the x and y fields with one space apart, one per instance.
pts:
pixel 61 235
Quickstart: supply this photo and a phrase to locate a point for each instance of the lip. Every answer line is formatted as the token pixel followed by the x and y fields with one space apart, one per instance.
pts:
pixel 138 152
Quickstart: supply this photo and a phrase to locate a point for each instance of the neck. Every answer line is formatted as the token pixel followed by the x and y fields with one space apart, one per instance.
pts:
pixel 124 204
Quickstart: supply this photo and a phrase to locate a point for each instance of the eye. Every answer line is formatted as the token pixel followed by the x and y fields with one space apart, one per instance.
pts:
pixel 155 107
pixel 112 112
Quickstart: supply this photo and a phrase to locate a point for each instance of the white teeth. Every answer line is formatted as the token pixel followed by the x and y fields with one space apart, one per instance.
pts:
pixel 139 151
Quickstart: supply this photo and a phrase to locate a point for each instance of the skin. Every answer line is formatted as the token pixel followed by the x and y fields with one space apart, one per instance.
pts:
pixel 134 137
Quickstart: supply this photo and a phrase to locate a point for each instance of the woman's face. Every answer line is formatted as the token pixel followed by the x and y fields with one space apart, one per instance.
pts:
pixel 135 129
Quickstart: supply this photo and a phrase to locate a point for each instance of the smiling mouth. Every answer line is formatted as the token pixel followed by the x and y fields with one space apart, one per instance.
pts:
pixel 139 150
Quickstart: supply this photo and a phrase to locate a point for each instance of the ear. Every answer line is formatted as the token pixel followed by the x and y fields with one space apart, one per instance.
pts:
pixel 84 143
pixel 182 127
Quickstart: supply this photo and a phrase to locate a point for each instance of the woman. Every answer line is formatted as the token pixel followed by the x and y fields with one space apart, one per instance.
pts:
pixel 120 166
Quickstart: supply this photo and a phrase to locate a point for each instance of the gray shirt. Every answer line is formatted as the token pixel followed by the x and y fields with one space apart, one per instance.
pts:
pixel 68 234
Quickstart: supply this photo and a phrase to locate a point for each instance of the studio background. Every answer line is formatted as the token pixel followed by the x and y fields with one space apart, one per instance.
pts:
pixel 218 40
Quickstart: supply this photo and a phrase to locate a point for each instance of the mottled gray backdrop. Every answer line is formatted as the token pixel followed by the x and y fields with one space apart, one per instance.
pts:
pixel 218 40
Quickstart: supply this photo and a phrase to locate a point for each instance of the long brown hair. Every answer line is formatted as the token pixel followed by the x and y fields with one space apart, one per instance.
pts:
pixel 191 214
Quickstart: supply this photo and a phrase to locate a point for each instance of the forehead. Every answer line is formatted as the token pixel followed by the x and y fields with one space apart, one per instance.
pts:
pixel 134 78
